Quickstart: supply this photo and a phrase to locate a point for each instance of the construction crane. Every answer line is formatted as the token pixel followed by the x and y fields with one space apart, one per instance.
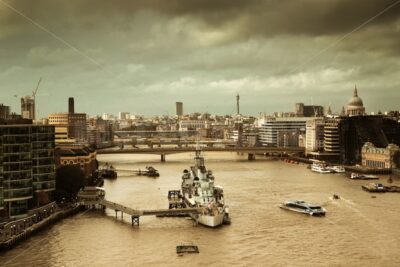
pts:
pixel 37 87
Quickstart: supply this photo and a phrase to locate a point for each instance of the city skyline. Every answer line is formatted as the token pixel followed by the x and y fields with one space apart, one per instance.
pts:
pixel 129 56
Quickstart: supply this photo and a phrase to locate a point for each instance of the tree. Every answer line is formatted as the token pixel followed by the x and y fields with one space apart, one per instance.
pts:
pixel 69 180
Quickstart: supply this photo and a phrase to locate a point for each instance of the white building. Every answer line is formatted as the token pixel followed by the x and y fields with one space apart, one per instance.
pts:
pixel 185 125
pixel 331 136
pixel 124 115
pixel 315 135
pixel 274 127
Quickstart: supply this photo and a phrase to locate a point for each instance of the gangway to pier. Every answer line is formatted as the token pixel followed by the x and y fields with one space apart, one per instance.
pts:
pixel 136 214
pixel 92 197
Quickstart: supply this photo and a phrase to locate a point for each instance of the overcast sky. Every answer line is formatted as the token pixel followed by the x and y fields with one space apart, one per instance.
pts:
pixel 143 55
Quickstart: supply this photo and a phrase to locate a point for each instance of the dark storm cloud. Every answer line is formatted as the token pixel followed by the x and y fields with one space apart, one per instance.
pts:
pixel 312 17
pixel 197 48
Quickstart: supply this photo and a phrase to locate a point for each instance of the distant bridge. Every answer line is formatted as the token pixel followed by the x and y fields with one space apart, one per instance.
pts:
pixel 163 151
pixel 126 133
pixel 151 142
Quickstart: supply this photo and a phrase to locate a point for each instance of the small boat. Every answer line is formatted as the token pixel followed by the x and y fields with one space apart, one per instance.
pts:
pixel 356 176
pixel 320 168
pixel 108 172
pixel 149 171
pixel 187 247
pixel 337 169
pixel 374 187
pixel 303 207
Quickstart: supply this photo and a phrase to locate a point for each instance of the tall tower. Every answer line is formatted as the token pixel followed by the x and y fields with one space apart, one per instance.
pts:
pixel 237 104
pixel 28 108
pixel 179 108
pixel 71 105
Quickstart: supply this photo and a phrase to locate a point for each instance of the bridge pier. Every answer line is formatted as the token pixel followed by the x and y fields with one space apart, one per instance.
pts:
pixel 251 156
pixel 135 220
pixel 162 157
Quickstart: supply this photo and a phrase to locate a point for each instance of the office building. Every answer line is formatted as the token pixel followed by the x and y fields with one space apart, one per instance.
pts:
pixel 27 167
pixel 331 137
pixel 186 125
pixel 28 108
pixel 315 135
pixel 124 116
pixel 275 130
pixel 100 132
pixel 179 108
pixel 70 127
pixel 4 112
pixel 302 110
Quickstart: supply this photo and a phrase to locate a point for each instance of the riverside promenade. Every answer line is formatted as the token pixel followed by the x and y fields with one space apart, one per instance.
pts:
pixel 13 232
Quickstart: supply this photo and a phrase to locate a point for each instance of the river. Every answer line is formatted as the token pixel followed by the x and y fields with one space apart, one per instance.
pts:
pixel 358 230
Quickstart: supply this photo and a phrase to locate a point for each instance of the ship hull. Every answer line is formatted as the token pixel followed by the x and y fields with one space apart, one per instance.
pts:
pixel 320 213
pixel 209 220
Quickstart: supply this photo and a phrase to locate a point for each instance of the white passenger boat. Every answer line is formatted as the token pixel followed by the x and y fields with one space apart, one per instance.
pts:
pixel 303 207
pixel 320 168
pixel 337 169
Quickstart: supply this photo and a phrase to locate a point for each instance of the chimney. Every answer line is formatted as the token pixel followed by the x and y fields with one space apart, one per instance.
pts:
pixel 71 105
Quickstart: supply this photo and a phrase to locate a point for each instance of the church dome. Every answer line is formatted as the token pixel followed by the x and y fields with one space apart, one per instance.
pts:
pixel 355 100
pixel 355 106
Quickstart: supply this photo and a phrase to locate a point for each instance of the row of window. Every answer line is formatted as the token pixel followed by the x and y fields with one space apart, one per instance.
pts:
pixel 25 192
pixel 375 164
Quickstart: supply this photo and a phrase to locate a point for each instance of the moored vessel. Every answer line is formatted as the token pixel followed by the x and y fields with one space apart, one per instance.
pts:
pixel 320 168
pixel 374 187
pixel 149 171
pixel 337 169
pixel 357 176
pixel 198 190
pixel 108 172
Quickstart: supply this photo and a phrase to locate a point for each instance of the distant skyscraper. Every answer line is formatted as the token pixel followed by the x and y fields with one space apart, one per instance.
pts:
pixel 179 108
pixel 4 112
pixel 124 115
pixel 71 105
pixel 28 108
pixel 237 104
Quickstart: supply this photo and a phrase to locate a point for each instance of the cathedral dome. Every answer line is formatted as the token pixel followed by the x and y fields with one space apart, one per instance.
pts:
pixel 355 106
pixel 355 101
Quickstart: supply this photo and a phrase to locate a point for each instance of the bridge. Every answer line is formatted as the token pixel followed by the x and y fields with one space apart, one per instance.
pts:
pixel 163 151
pixel 152 142
pixel 147 134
